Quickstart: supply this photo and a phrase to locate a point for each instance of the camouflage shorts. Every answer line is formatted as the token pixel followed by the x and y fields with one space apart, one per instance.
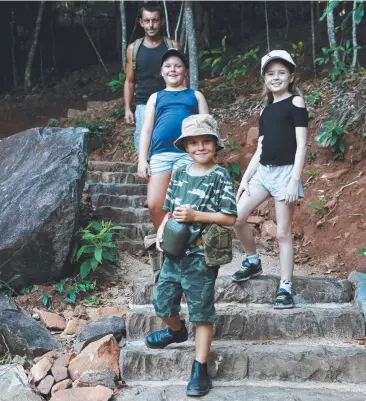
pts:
pixel 190 276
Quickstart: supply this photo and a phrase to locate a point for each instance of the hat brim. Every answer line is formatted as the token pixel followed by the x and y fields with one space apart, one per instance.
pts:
pixel 174 52
pixel 179 143
pixel 274 59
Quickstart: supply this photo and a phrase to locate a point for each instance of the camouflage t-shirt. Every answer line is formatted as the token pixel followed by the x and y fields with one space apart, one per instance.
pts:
pixel 212 192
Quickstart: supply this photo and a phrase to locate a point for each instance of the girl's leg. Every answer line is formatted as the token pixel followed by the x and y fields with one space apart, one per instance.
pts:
pixel 284 217
pixel 245 206
pixel 156 191
pixel 204 334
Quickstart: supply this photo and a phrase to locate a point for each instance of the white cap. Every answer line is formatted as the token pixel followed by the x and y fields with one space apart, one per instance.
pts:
pixel 275 55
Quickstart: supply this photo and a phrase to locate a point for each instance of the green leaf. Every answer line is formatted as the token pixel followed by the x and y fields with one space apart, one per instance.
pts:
pixel 359 13
pixel 108 245
pixel 341 147
pixel 312 205
pixel 98 254
pixel 108 256
pixel 216 61
pixel 85 269
pixel 344 22
pixel 339 130
pixel 332 5
pixel 333 140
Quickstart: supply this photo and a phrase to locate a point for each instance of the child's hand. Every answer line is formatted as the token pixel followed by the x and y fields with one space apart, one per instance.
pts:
pixel 143 170
pixel 159 239
pixel 184 214
pixel 244 186
pixel 292 192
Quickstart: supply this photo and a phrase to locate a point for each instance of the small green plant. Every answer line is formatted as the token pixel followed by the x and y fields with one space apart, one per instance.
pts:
pixel 320 207
pixel 231 145
pixel 117 84
pixel 46 299
pixel 6 288
pixel 314 97
pixel 312 156
pixel 29 360
pixel 97 245
pixel 312 173
pixel 29 290
pixel 364 134
pixel 93 300
pixel 119 112
pixel 361 252
pixel 339 67
pixel 53 122
pixel 297 52
pixel 98 130
pixel 234 170
pixel 333 137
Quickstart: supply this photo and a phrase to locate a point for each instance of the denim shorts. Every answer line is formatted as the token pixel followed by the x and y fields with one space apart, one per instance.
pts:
pixel 168 161
pixel 274 179
pixel 188 275
pixel 139 118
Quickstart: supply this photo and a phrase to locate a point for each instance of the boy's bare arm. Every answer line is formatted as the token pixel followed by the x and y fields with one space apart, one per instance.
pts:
pixel 187 214
pixel 159 234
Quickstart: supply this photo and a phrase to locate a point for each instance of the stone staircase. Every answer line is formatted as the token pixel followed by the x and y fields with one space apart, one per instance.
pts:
pixel 119 195
pixel 258 353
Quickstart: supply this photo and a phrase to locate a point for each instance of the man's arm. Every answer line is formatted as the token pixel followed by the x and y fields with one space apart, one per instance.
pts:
pixel 129 87
pixel 186 214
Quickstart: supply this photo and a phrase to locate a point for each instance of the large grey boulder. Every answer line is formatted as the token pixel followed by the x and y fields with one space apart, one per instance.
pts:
pixel 42 175
pixel 24 335
pixel 14 385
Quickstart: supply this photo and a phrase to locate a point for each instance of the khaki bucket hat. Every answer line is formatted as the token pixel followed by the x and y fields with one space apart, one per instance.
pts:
pixel 199 124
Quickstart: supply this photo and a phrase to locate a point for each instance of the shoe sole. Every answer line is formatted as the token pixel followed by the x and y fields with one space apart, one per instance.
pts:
pixel 283 306
pixel 199 393
pixel 247 278
pixel 162 347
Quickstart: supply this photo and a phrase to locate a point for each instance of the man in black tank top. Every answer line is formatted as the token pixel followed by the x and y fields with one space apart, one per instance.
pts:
pixel 143 69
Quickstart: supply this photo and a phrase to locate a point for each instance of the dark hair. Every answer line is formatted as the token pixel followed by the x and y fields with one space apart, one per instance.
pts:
pixel 152 7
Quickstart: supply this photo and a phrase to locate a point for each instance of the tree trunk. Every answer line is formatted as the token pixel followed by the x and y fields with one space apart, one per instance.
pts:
pixel 178 22
pixel 287 20
pixel 182 35
pixel 32 51
pixel 15 74
pixel 166 19
pixel 331 34
pixel 267 28
pixel 242 20
pixel 313 36
pixel 192 46
pixel 123 34
pixel 354 38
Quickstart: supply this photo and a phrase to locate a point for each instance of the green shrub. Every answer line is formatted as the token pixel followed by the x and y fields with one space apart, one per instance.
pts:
pixel 333 138
pixel 117 84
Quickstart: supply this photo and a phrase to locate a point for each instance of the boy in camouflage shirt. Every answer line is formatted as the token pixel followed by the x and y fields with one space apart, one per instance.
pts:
pixel 198 194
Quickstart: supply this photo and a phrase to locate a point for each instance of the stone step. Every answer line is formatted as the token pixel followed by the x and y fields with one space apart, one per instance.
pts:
pixel 99 200
pixel 132 246
pixel 262 322
pixel 237 391
pixel 262 290
pixel 235 360
pixel 138 231
pixel 114 177
pixel 112 167
pixel 123 215
pixel 116 189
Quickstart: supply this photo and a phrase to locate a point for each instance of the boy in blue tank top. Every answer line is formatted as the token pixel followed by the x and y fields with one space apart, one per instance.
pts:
pixel 165 111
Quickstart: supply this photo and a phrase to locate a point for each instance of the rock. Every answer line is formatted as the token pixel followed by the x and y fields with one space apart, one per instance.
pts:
pixel 45 385
pixel 269 229
pixel 98 393
pixel 333 220
pixel 99 313
pixel 24 334
pixel 252 136
pixel 74 325
pixel 79 311
pixel 14 385
pixel 40 369
pixel 59 368
pixel 262 207
pixel 40 201
pixel 337 174
pixel 360 191
pixel 6 303
pixel 52 356
pixel 61 385
pixel 99 355
pixel 18 360
pixel 73 113
pixel 106 377
pixel 35 316
pixel 255 220
pixel 52 321
pixel 96 330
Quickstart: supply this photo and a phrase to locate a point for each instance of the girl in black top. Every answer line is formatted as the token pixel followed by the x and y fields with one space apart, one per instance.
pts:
pixel 275 170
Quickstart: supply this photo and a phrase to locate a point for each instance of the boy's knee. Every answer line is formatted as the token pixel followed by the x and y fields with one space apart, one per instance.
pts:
pixel 241 220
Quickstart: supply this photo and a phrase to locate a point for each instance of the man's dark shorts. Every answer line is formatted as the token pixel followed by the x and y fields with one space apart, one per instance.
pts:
pixel 190 276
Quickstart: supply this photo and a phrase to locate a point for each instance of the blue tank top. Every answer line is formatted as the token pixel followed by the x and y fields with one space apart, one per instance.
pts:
pixel 171 108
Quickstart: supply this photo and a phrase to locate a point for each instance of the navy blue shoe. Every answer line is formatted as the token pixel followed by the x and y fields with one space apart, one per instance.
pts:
pixel 283 300
pixel 200 382
pixel 247 271
pixel 162 338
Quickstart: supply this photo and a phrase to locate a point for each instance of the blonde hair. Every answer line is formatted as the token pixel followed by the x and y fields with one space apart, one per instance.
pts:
pixel 292 88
